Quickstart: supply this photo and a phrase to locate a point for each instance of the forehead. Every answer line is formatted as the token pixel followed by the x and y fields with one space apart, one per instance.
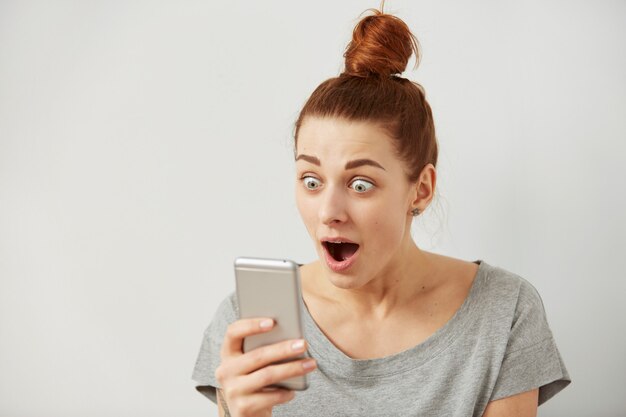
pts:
pixel 340 139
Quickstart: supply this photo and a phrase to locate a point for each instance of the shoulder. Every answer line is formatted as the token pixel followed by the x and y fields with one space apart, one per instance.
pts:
pixel 209 355
pixel 228 308
pixel 509 286
pixel 513 302
pixel 518 326
pixel 226 313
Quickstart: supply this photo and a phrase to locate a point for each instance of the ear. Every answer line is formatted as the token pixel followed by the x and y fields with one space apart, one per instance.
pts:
pixel 424 189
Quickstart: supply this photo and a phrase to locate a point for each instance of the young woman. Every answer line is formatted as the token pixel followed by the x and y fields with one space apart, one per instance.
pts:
pixel 391 329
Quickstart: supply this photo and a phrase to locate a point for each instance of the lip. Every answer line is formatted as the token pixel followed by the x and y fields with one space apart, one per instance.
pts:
pixel 334 265
pixel 337 239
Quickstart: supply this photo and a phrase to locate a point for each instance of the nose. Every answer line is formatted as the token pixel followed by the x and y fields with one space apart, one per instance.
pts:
pixel 333 206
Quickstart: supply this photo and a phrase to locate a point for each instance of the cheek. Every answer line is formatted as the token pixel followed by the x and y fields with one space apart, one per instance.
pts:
pixel 386 226
pixel 388 231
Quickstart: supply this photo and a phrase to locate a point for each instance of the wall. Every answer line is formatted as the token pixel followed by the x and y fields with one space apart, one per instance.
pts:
pixel 145 144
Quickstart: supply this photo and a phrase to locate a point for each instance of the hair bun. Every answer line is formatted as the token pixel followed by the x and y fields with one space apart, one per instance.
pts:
pixel 381 45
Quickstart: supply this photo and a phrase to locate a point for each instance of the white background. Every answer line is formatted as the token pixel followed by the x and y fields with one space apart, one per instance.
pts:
pixel 145 144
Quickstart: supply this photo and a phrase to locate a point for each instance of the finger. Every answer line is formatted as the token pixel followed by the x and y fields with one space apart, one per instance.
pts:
pixel 238 330
pixel 266 355
pixel 262 401
pixel 274 374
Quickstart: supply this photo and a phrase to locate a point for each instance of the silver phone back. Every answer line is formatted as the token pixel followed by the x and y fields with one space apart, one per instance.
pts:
pixel 271 288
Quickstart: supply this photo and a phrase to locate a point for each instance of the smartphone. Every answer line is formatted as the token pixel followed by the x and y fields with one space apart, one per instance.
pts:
pixel 271 288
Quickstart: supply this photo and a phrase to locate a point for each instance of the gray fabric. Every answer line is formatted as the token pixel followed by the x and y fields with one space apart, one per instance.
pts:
pixel 497 344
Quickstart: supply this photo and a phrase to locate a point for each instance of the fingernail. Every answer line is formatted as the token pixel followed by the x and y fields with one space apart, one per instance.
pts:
pixel 297 345
pixel 309 364
pixel 266 324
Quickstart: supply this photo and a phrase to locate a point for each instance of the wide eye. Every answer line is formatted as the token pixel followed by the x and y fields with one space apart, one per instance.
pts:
pixel 361 186
pixel 311 183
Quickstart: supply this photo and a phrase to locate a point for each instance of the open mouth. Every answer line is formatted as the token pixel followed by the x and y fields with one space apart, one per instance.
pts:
pixel 341 251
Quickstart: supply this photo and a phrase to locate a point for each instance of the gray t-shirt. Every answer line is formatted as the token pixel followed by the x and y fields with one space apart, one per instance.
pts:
pixel 496 345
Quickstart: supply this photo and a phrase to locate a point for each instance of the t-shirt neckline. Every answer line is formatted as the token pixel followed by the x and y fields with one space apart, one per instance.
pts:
pixel 332 360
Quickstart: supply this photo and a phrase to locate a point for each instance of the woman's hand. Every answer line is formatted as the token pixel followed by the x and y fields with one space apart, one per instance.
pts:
pixel 244 376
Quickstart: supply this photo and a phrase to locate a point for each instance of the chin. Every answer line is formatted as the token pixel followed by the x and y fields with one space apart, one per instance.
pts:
pixel 344 280
pixel 344 283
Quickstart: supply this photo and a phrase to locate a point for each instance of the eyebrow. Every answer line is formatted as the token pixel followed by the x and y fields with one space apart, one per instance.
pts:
pixel 308 158
pixel 361 162
pixel 349 165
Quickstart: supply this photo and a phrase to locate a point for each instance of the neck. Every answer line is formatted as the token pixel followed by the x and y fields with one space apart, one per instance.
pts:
pixel 409 274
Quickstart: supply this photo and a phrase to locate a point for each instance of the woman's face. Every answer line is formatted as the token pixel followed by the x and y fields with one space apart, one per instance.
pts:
pixel 354 197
